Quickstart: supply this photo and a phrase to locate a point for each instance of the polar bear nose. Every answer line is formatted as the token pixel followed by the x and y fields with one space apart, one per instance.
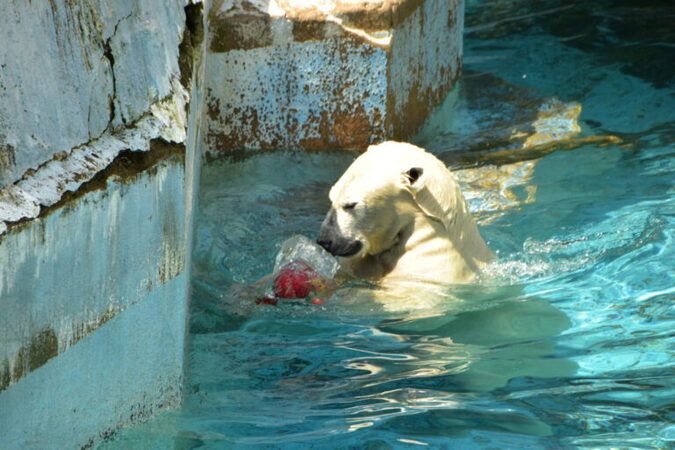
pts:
pixel 340 247
pixel 332 239
pixel 327 244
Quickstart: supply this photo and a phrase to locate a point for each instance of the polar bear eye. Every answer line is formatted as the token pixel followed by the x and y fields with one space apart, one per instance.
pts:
pixel 348 206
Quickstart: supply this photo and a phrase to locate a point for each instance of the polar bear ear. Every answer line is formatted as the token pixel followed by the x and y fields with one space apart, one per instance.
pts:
pixel 413 174
pixel 435 195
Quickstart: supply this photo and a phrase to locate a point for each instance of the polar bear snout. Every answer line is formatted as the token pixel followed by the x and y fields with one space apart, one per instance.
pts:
pixel 335 242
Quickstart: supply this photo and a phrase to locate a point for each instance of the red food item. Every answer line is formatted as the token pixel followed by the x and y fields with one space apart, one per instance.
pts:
pixel 295 280
pixel 317 301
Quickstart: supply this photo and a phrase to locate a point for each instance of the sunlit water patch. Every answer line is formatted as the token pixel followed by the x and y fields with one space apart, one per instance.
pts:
pixel 567 342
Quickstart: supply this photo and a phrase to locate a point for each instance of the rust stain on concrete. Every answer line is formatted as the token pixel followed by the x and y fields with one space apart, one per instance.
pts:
pixel 352 128
pixel 311 30
pixel 404 122
pixel 246 29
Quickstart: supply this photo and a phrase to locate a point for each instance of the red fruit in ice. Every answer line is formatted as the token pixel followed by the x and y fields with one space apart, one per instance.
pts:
pixel 295 280
pixel 317 301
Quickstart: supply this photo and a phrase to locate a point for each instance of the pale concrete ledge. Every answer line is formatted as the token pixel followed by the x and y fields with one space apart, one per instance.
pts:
pixel 66 172
pixel 294 74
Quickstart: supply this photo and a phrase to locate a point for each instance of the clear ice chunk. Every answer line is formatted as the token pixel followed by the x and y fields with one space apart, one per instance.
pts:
pixel 301 248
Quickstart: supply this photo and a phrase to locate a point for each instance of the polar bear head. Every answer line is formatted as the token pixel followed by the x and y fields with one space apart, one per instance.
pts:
pixel 381 193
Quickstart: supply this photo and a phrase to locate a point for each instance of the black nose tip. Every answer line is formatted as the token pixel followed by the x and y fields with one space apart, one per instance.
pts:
pixel 325 243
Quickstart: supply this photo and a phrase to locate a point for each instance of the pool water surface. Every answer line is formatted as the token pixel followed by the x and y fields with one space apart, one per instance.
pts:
pixel 568 342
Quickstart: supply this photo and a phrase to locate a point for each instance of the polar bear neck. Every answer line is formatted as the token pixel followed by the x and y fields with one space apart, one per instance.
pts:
pixel 429 251
pixel 443 255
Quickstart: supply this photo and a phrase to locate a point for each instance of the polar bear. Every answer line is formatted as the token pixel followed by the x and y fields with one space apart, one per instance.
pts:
pixel 397 214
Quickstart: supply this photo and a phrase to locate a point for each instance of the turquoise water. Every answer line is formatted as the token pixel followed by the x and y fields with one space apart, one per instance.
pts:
pixel 567 343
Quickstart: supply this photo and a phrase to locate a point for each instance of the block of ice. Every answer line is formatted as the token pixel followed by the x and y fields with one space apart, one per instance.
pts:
pixel 300 248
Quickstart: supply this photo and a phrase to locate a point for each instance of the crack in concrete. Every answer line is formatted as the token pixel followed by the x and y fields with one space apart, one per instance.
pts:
pixel 108 54
pixel 45 186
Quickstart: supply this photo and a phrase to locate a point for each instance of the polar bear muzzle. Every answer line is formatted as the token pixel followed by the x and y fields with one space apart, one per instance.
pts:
pixel 334 241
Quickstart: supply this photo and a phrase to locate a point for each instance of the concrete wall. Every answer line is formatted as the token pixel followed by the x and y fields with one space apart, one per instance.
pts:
pixel 291 74
pixel 93 311
pixel 72 70
pixel 97 179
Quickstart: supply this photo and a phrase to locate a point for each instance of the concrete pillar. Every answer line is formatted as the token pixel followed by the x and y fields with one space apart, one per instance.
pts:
pixel 327 74
pixel 97 179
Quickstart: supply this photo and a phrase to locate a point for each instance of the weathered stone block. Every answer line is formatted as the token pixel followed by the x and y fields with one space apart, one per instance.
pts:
pixel 70 70
pixel 84 266
pixel 327 74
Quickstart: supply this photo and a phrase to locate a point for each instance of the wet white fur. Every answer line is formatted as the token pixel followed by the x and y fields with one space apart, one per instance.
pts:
pixel 411 230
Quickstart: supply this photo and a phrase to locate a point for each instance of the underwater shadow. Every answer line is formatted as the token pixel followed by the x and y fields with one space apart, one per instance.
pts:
pixel 502 333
